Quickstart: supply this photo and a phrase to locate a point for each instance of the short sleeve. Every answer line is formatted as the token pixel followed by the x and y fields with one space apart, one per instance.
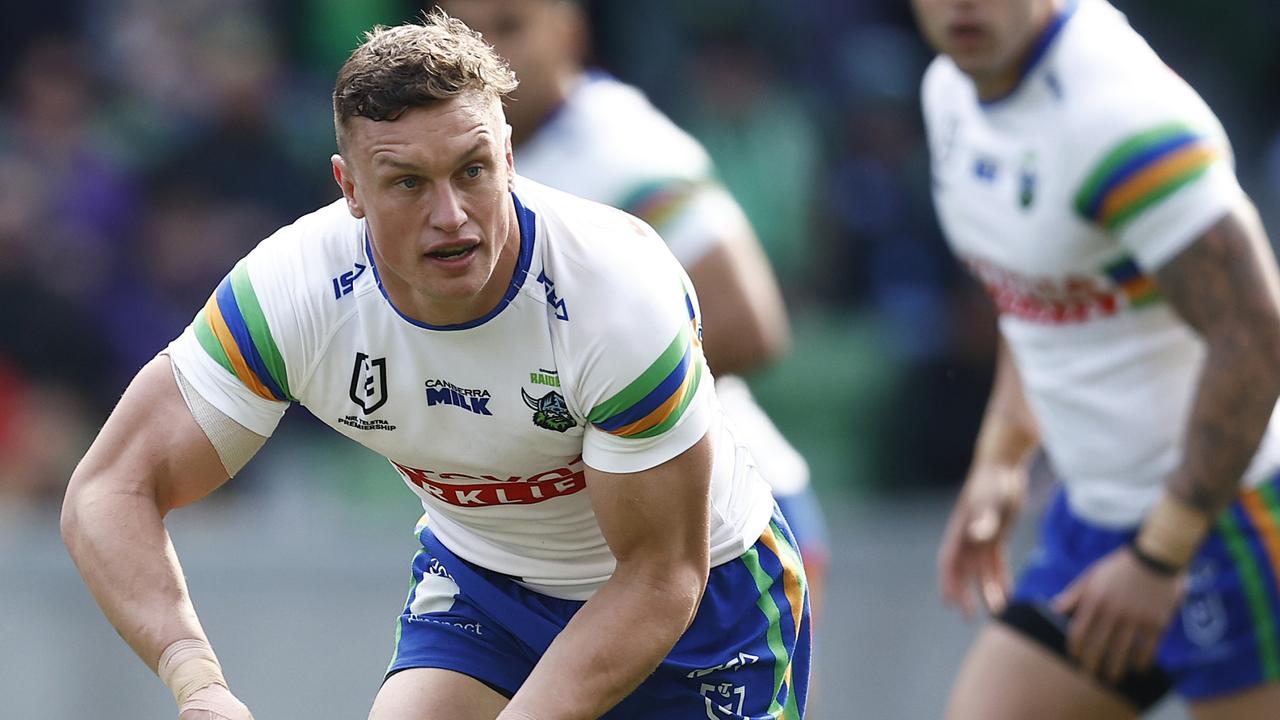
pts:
pixel 232 352
pixel 1158 171
pixel 644 384
pixel 693 216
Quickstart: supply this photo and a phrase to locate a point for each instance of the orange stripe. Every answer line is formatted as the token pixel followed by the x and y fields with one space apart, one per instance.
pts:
pixel 1154 176
pixel 790 579
pixel 229 346
pixel 1265 523
pixel 659 413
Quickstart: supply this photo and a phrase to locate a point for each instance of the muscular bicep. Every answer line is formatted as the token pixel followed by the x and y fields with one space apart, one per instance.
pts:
pixel 1225 285
pixel 744 318
pixel 660 516
pixel 151 445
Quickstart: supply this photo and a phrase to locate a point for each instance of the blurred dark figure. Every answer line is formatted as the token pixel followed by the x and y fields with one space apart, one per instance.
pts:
pixel 65 208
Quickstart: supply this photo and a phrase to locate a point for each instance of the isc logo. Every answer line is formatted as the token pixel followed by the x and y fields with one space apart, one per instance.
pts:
pixel 344 283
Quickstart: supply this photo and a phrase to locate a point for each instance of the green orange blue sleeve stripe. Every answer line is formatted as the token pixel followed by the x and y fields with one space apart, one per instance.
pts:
pixel 658 202
pixel 1142 170
pixel 234 331
pixel 656 400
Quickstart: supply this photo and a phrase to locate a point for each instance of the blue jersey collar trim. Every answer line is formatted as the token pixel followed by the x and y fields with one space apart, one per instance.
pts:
pixel 1038 51
pixel 526 220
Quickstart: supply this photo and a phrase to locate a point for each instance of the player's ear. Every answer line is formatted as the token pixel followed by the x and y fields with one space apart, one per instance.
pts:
pixel 342 175
pixel 511 161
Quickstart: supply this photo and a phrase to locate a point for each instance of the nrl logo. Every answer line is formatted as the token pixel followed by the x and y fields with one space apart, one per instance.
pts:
pixel 549 411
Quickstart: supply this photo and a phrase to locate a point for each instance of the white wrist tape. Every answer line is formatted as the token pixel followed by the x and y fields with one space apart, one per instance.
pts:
pixel 187 666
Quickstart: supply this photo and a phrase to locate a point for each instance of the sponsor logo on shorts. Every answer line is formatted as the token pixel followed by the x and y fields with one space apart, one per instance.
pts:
pixel 723 700
pixel 734 663
pixel 443 392
pixel 466 490
pixel 472 627
pixel 1204 616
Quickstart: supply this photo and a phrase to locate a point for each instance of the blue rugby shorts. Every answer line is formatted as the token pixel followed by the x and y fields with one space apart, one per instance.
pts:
pixel 746 654
pixel 1225 637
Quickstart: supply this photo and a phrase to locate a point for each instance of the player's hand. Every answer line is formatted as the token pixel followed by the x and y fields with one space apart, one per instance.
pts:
pixel 972 553
pixel 1120 609
pixel 213 702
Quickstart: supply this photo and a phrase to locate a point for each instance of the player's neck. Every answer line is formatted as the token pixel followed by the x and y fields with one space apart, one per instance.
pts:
pixel 563 86
pixel 1003 80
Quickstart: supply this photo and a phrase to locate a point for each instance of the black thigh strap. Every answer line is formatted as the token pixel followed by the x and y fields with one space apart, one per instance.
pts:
pixel 1142 689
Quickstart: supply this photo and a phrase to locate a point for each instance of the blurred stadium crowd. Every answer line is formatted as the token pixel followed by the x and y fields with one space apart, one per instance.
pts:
pixel 146 145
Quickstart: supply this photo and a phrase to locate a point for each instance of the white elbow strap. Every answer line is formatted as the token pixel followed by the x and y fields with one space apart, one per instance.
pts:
pixel 187 666
pixel 234 443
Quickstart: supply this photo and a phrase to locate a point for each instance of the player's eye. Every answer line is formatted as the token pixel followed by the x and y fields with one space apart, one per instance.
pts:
pixel 473 172
pixel 408 183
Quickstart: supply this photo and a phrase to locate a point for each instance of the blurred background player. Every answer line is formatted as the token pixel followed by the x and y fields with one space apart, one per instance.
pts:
pixel 585 132
pixel 1093 192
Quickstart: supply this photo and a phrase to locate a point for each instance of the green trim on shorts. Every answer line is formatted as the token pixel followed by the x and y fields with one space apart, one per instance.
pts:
pixel 1264 629
pixel 764 582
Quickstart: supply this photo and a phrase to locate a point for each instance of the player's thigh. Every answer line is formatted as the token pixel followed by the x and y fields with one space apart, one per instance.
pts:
pixel 435 694
pixel 1007 676
pixel 1259 703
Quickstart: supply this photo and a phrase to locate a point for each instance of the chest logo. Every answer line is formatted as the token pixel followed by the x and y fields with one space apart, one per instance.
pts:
pixel 443 392
pixel 369 383
pixel 549 411
pixel 1027 181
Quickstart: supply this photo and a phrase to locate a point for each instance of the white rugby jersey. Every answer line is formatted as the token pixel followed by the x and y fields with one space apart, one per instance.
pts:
pixel 608 143
pixel 593 358
pixel 1063 198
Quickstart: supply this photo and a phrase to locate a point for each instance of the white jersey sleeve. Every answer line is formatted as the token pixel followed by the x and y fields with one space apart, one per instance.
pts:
pixel 1154 165
pixel 640 377
pixel 247 350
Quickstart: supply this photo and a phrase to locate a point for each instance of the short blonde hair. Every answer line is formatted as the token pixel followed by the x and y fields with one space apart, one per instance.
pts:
pixel 415 65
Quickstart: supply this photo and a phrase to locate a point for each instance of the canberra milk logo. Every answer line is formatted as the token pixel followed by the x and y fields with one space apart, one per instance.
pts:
pixel 369 383
pixel 443 392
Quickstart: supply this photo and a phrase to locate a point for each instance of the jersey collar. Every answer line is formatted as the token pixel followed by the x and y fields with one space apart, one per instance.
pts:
pixel 1037 53
pixel 528 227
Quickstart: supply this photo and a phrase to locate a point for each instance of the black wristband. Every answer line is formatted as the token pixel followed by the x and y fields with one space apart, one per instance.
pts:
pixel 1154 564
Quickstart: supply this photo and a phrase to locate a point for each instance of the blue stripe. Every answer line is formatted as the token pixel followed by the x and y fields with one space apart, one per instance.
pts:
pixel 1135 165
pixel 1124 271
pixel 525 218
pixel 688 303
pixel 655 398
pixel 240 331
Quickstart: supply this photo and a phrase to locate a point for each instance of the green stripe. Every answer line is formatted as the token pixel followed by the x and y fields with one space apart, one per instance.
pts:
pixel 648 380
pixel 256 321
pixel 1155 196
pixel 413 585
pixel 1264 630
pixel 1272 500
pixel 1121 154
pixel 792 555
pixel 680 188
pixel 764 582
pixel 678 413
pixel 209 341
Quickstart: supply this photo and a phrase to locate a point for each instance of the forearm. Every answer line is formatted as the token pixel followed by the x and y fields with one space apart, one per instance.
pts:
pixel 1008 432
pixel 1234 400
pixel 609 647
pixel 119 543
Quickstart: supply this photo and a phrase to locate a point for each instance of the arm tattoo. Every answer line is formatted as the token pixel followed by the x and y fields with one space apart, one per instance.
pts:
pixel 1224 286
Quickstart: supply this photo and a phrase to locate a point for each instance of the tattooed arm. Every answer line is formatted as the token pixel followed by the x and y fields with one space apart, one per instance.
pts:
pixel 1225 286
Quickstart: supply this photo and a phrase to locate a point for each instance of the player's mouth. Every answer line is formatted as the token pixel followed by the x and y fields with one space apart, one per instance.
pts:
pixel 453 254
pixel 965 35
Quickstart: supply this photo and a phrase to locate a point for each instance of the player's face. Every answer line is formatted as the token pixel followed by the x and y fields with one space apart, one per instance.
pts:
pixel 987 39
pixel 539 41
pixel 434 187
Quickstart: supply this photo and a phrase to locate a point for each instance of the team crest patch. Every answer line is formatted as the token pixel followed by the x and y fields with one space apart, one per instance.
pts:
pixel 549 411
